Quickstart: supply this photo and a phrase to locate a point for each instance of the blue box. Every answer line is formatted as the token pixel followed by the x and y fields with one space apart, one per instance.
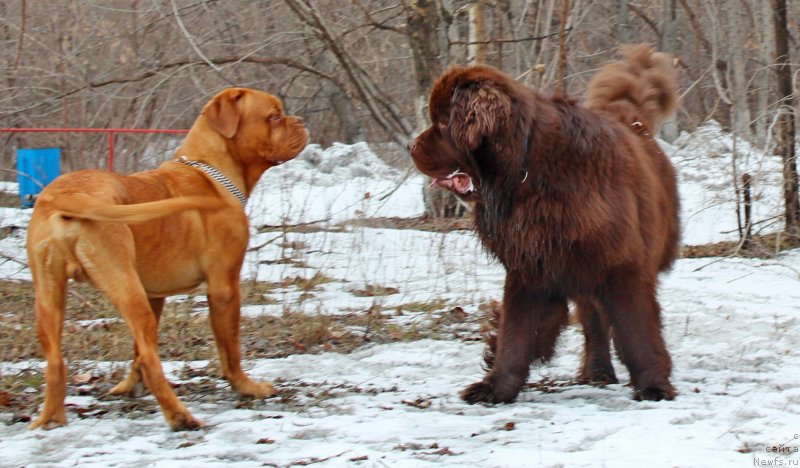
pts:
pixel 36 167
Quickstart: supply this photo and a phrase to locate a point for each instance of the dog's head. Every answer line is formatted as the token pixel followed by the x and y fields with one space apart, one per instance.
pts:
pixel 473 121
pixel 254 125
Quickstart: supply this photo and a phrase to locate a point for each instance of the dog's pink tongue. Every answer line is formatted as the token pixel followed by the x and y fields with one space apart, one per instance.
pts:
pixel 458 182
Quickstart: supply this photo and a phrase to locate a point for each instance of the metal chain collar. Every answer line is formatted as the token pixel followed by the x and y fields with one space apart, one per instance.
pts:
pixel 216 175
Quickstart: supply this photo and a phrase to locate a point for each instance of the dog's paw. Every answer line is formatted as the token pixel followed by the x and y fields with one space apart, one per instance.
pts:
pixel 253 389
pixel 46 423
pixel 479 392
pixel 485 392
pixel 655 393
pixel 598 377
pixel 129 388
pixel 186 422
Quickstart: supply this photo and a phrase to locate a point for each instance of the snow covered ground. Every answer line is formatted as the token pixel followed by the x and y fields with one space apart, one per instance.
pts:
pixel 730 324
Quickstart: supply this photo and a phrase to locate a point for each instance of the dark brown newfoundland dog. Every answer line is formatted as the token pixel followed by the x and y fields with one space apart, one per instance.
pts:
pixel 576 201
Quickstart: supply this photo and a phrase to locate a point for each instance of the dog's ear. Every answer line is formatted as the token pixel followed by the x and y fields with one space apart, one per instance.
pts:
pixel 478 110
pixel 222 112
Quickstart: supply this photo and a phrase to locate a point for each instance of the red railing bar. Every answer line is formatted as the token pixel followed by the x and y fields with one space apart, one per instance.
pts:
pixel 110 131
pixel 94 130
pixel 110 151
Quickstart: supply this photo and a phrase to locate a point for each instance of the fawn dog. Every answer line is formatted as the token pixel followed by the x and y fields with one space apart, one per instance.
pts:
pixel 142 237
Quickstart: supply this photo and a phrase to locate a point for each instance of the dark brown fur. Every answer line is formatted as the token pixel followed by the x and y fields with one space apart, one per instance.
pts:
pixel 577 202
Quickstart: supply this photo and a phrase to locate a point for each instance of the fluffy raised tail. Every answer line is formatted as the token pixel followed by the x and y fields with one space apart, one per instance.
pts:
pixel 640 87
pixel 86 208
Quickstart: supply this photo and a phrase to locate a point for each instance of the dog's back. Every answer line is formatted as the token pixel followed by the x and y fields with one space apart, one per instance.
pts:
pixel 641 92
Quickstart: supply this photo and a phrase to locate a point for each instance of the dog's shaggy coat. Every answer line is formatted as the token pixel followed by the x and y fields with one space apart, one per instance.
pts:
pixel 576 201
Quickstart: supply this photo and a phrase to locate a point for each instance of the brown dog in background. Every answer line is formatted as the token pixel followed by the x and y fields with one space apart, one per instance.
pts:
pixel 143 237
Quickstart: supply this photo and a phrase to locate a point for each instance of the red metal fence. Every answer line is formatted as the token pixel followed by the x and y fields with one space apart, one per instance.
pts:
pixel 110 131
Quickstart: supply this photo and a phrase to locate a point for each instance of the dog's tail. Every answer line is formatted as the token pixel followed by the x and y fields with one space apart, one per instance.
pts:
pixel 640 87
pixel 84 207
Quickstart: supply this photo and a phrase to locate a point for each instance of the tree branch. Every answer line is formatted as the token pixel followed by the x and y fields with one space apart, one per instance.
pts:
pixel 194 45
pixel 383 110
pixel 371 21
pixel 221 60
pixel 641 14
pixel 510 41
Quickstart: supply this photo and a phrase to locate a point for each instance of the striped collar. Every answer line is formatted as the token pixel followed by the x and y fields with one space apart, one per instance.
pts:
pixel 216 175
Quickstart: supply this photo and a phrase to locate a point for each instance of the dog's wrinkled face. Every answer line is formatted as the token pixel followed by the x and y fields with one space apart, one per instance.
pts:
pixel 255 123
pixel 467 108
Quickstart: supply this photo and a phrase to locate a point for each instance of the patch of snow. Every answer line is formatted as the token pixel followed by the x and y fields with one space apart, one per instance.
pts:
pixel 730 324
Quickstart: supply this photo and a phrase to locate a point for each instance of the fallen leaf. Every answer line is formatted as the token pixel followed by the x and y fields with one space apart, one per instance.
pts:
pixel 442 451
pixel 420 403
pixel 81 379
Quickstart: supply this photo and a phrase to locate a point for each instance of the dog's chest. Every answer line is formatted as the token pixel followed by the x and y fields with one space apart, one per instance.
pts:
pixel 545 255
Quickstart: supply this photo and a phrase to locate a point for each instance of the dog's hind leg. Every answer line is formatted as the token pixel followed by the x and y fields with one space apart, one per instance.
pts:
pixel 107 256
pixel 596 367
pixel 224 300
pixel 635 317
pixel 50 280
pixel 133 386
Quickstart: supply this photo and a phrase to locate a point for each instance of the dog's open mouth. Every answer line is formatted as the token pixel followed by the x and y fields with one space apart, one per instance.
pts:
pixel 458 182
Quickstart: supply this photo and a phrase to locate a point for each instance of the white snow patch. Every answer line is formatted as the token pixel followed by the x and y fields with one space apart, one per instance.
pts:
pixel 730 324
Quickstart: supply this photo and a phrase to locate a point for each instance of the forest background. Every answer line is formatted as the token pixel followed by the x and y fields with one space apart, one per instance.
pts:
pixel 361 70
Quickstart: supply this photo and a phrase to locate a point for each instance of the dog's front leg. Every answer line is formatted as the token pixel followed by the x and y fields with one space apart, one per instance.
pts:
pixel 224 299
pixel 529 326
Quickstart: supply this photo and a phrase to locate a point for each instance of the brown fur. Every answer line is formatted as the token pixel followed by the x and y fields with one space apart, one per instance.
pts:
pixel 575 203
pixel 143 237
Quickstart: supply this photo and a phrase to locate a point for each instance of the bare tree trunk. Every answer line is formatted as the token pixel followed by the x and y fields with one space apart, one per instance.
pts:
pixel 476 51
pixel 623 31
pixel 561 85
pixel 700 42
pixel 786 123
pixel 737 78
pixel 746 231
pixel 341 103
pixel 542 27
pixel 669 129
pixel 668 26
pixel 422 25
pixel 20 43
pixel 499 33
pixel 763 80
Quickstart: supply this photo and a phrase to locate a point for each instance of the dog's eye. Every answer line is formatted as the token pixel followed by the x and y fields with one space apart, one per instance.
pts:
pixel 274 117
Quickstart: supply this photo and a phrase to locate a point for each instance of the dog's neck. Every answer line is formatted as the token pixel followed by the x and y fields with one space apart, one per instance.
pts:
pixel 211 149
pixel 218 176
